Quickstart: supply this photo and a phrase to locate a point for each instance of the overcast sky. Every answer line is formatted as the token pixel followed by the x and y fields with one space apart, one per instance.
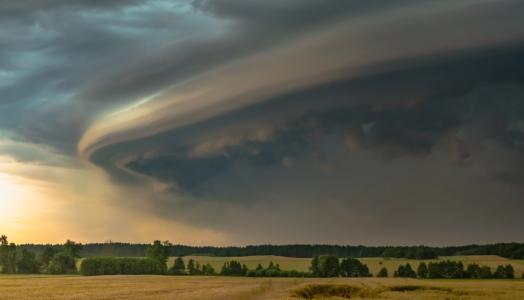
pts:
pixel 228 122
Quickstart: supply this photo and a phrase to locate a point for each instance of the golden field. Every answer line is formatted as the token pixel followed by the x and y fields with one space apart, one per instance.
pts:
pixel 231 288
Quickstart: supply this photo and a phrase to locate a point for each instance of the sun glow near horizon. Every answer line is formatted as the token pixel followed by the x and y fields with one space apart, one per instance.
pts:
pixel 13 198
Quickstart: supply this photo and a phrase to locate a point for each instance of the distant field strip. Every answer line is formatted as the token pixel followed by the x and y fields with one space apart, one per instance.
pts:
pixel 242 288
pixel 374 263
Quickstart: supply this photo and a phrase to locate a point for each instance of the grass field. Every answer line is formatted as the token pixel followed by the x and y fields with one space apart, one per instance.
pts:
pixel 238 288
pixel 374 264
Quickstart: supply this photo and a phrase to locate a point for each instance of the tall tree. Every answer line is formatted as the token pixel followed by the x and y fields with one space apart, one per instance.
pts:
pixel 159 251
pixel 178 268
pixel 7 255
pixel 46 256
pixel 191 267
pixel 72 248
pixel 422 270
pixel 325 266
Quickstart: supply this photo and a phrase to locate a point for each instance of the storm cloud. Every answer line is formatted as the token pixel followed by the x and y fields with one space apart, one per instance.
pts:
pixel 359 115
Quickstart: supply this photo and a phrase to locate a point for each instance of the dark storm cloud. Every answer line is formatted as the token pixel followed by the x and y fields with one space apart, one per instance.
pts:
pixel 399 113
pixel 18 8
pixel 248 105
pixel 54 52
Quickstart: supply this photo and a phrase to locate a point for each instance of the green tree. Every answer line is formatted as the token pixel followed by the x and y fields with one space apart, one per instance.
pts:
pixel 405 271
pixel 383 272
pixel 485 272
pixel 351 267
pixel 207 269
pixel 7 255
pixel 192 268
pixel 26 263
pixel 446 269
pixel 325 266
pixel 504 272
pixel 314 266
pixel 46 256
pixel 260 271
pixel 62 263
pixel 510 272
pixel 179 268
pixel 72 248
pixel 422 270
pixel 233 268
pixel 159 251
pixel 473 271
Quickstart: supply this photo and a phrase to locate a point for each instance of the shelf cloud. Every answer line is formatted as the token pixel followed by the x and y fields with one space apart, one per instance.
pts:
pixel 226 114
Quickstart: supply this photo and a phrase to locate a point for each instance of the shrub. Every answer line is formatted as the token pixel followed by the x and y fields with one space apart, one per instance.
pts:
pixel 314 291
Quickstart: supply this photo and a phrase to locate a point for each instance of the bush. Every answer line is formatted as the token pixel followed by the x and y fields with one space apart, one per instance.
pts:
pixel 321 291
pixel 121 266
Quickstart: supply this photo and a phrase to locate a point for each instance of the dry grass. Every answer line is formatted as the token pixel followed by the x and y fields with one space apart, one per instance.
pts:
pixel 234 288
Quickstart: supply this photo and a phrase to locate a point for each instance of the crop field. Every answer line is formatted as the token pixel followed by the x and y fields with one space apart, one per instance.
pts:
pixel 232 288
pixel 374 263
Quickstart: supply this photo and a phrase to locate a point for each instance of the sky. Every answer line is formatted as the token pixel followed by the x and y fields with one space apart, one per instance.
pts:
pixel 225 122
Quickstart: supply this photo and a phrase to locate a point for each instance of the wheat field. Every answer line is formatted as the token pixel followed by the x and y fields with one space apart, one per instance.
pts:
pixel 235 288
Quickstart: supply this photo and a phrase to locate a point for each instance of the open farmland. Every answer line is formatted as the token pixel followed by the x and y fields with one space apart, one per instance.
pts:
pixel 374 263
pixel 231 288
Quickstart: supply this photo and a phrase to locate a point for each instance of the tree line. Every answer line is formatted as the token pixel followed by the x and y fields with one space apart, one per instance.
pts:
pixel 62 260
pixel 19 260
pixel 452 270
pixel 508 250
